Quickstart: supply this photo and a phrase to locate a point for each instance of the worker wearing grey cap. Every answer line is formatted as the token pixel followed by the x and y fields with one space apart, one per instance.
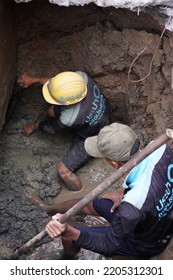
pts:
pixel 141 225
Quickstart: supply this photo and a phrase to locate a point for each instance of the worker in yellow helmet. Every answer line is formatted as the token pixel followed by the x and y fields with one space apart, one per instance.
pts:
pixel 77 104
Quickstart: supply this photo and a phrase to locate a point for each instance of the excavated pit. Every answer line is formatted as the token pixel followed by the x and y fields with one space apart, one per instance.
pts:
pixel 105 43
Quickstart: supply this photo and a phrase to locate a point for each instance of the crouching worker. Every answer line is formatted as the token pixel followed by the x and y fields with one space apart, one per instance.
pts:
pixel 142 224
pixel 77 105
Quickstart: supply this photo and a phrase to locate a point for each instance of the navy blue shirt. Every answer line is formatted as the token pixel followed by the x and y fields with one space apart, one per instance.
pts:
pixel 86 117
pixel 144 219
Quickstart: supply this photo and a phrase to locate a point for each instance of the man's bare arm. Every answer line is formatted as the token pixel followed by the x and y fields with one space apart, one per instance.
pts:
pixel 26 80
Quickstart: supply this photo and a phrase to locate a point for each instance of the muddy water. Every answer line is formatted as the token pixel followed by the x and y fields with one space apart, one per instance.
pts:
pixel 89 181
pixel 29 163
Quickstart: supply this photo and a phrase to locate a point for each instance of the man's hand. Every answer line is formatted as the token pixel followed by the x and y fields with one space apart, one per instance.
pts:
pixel 68 233
pixel 29 128
pixel 55 228
pixel 116 197
pixel 26 80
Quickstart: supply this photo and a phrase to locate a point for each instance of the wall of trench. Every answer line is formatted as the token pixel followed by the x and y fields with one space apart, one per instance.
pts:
pixel 45 39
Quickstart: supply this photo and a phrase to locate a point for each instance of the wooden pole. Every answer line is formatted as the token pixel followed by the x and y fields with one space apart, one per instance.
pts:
pixel 164 138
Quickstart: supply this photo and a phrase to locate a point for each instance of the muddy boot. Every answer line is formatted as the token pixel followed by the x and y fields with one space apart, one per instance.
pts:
pixel 71 180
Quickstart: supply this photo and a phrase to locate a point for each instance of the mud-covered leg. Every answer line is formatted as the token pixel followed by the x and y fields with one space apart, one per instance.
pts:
pixel 72 161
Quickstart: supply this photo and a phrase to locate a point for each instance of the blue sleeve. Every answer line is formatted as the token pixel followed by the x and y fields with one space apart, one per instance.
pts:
pixel 122 227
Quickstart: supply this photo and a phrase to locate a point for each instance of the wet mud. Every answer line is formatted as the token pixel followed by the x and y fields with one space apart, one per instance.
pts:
pixel 27 168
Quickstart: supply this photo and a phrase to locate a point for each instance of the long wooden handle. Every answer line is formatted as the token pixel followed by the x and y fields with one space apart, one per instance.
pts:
pixel 164 138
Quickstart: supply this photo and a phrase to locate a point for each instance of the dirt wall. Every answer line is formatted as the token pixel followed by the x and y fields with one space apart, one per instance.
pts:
pixel 7 55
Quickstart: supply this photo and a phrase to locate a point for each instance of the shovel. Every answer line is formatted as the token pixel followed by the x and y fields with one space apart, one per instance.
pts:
pixel 162 139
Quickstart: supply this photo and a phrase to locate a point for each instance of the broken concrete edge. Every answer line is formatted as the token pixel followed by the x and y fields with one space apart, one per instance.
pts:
pixel 114 3
pixel 163 7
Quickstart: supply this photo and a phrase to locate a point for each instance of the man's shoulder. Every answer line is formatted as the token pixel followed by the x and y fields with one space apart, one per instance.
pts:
pixel 83 75
pixel 69 114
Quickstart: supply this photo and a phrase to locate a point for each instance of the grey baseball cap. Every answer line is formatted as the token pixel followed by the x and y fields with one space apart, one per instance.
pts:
pixel 115 142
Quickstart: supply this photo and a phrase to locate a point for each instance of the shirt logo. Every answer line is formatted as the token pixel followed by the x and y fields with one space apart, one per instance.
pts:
pixel 98 108
pixel 166 202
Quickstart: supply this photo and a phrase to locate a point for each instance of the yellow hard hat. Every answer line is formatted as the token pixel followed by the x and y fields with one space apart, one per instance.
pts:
pixel 65 88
